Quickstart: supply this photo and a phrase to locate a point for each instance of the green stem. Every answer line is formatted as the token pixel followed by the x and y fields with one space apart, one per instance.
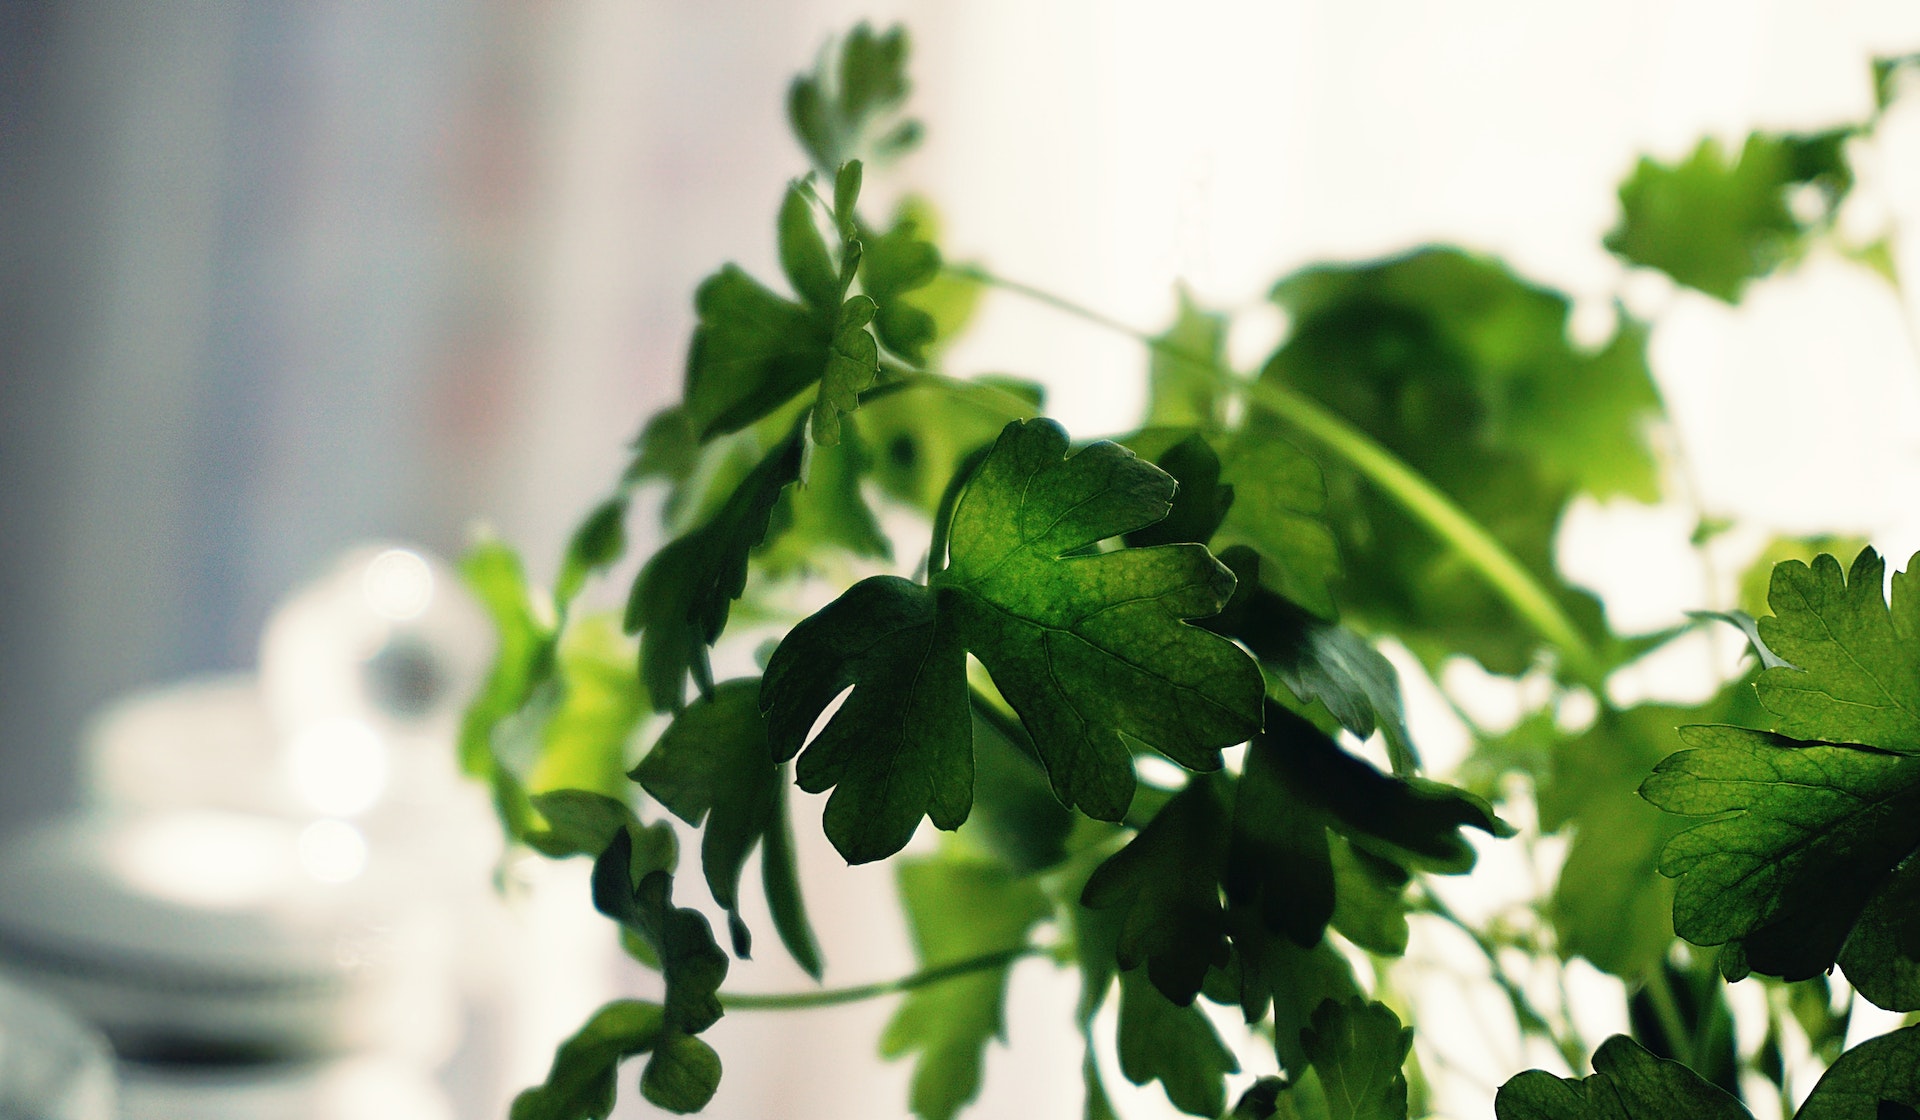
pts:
pixel 831 997
pixel 1390 474
pixel 1660 993
pixel 1525 1014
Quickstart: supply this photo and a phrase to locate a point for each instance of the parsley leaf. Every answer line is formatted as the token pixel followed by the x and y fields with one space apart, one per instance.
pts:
pixel 581 1082
pixel 1714 224
pixel 1628 1083
pixel 958 909
pixel 692 963
pixel 1183 383
pixel 1357 1050
pixel 921 436
pixel 846 108
pixel 681 598
pixel 1465 372
pixel 1088 648
pixel 682 1074
pixel 1159 1040
pixel 712 764
pixel 1807 858
pixel 1166 886
pixel 751 351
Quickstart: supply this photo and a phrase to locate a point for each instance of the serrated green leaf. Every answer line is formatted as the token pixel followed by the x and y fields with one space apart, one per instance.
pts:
pixel 1465 372
pixel 690 960
pixel 1161 1041
pixel 681 598
pixel 957 909
pixel 1858 676
pixel 845 108
pixel 1715 224
pixel 1877 1078
pixel 1088 648
pixel 752 351
pixel 1627 1084
pixel 1867 1078
pixel 1281 511
pixel 1804 836
pixel 1357 1049
pixel 582 1084
pixel 682 1074
pixel 852 363
pixel 1067 637
pixel 1165 886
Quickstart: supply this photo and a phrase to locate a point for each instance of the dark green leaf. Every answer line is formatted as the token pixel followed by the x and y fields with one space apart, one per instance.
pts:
pixel 692 963
pixel 712 765
pixel 1866 1079
pixel 1176 1046
pixel 958 909
pixel 752 351
pixel 1089 648
pixel 666 448
pixel 1015 817
pixel 1165 884
pixel 1715 224
pixel 1269 973
pixel 1804 863
pixel 681 598
pixel 582 1083
pixel 1199 504
pixel 1627 1084
pixel 682 1074
pixel 1630 1084
pixel 1369 898
pixel 1316 659
pixel 1357 1049
pixel 899 748
pixel 1260 1101
pixel 1464 372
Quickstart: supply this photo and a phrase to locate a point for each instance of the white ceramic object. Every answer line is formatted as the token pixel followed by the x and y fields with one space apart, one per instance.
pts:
pixel 52 1066
pixel 222 935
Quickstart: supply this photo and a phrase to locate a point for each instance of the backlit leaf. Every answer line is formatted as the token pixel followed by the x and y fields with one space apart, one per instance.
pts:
pixel 957 909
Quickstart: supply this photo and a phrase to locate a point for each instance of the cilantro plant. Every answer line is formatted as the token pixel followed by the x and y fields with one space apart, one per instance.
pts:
pixel 1209 590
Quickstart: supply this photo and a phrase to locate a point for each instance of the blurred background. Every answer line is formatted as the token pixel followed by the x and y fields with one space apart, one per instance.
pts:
pixel 277 279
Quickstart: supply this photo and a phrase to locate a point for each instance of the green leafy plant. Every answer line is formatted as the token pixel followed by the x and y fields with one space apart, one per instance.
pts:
pixel 1208 591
